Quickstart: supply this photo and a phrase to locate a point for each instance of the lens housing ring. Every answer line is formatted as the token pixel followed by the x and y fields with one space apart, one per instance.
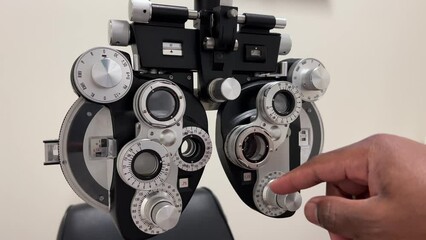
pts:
pixel 202 155
pixel 235 146
pixel 129 153
pixel 267 107
pixel 142 99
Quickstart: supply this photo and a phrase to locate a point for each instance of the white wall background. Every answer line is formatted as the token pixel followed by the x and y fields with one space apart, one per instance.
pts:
pixel 375 51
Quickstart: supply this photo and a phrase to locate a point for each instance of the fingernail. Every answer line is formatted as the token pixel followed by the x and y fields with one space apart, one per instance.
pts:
pixel 311 212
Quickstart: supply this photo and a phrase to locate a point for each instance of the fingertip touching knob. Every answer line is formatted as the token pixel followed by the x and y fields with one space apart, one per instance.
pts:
pixel 290 202
pixel 140 11
pixel 119 33
pixel 221 90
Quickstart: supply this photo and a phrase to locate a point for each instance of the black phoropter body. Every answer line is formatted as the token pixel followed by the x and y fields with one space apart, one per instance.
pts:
pixel 136 142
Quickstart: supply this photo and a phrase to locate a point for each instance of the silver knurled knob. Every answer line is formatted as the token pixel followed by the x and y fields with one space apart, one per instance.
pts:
pixel 140 11
pixel 317 79
pixel 159 210
pixel 290 202
pixel 106 73
pixel 285 44
pixel 221 90
pixel 119 33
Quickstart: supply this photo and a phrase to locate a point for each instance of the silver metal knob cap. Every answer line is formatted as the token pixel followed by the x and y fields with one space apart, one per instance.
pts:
pixel 285 45
pixel 118 33
pixel 317 79
pixel 140 11
pixel 221 90
pixel 106 73
pixel 165 215
pixel 290 202
pixel 159 210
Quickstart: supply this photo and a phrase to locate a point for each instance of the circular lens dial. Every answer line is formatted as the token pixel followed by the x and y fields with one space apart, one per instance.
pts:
pixel 272 210
pixel 311 77
pixel 158 210
pixel 102 75
pixel 146 165
pixel 249 147
pixel 143 164
pixel 280 103
pixel 255 147
pixel 162 104
pixel 283 103
pixel 195 151
pixel 159 103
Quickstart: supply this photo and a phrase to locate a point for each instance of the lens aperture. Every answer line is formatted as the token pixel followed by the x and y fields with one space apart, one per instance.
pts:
pixel 162 104
pixel 147 165
pixel 192 149
pixel 255 147
pixel 283 103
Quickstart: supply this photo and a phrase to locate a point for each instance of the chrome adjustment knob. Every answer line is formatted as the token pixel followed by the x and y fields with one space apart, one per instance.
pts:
pixel 285 45
pixel 311 77
pixel 102 75
pixel 119 33
pixel 107 73
pixel 221 90
pixel 290 202
pixel 159 210
pixel 140 11
pixel 316 80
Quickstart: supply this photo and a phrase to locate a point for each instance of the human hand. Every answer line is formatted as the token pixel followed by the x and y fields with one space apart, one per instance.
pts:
pixel 376 189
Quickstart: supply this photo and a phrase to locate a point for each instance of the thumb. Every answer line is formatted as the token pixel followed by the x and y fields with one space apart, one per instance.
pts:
pixel 348 218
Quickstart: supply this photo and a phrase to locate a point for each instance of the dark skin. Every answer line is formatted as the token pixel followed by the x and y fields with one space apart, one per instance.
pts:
pixel 376 189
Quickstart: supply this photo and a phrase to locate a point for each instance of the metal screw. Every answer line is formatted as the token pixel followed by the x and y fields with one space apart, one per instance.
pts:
pixel 171 77
pixel 89 114
pixel 209 43
pixel 237 45
pixel 233 13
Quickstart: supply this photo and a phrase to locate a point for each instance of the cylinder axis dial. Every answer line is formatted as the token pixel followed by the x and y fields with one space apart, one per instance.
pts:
pixel 195 151
pixel 280 102
pixel 271 204
pixel 156 211
pixel 311 77
pixel 102 75
pixel 159 103
pixel 143 164
pixel 249 147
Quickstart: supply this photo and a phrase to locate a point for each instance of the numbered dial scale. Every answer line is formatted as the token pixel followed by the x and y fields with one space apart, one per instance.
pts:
pixel 195 151
pixel 102 75
pixel 143 164
pixel 156 211
pixel 271 204
pixel 280 103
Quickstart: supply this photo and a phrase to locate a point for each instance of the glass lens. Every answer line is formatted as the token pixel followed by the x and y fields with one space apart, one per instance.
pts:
pixel 255 147
pixel 192 149
pixel 147 165
pixel 283 103
pixel 162 104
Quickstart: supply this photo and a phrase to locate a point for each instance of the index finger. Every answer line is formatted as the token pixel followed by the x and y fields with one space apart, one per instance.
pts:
pixel 350 162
